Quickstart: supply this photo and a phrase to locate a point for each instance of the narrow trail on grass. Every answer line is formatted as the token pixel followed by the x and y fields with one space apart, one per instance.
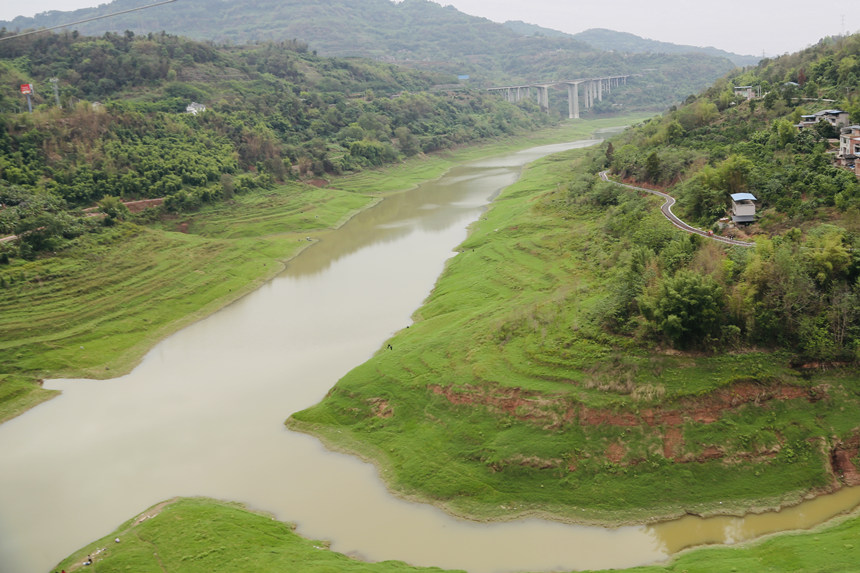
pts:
pixel 666 209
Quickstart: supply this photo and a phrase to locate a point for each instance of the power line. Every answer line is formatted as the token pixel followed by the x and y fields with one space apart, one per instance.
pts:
pixel 87 20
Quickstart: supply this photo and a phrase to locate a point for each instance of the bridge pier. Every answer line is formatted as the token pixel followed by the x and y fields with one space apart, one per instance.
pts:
pixel 592 92
pixel 543 97
pixel 573 100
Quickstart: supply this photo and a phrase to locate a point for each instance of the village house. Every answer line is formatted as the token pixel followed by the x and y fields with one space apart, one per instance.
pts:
pixel 743 207
pixel 194 108
pixel 835 117
pixel 849 144
pixel 849 148
pixel 747 92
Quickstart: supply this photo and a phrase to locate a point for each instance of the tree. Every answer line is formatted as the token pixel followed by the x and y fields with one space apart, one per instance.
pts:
pixel 705 196
pixel 733 174
pixel 407 142
pixel 784 133
pixel 770 99
pixel 689 308
pixel 228 187
pixel 113 208
pixel 652 167
pixel 825 255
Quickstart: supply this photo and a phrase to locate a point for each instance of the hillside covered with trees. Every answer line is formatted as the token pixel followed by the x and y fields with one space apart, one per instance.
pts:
pixel 273 112
pixel 580 357
pixel 415 33
pixel 799 288
pixel 585 358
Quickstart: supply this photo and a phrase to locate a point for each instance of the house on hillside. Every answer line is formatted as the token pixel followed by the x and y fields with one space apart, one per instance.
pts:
pixel 849 148
pixel 835 117
pixel 748 92
pixel 849 143
pixel 743 207
pixel 194 108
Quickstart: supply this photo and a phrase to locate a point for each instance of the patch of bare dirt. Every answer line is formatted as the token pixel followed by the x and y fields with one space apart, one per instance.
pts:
pixel 616 452
pixel 556 412
pixel 673 440
pixel 138 206
pixel 381 408
pixel 535 407
pixel 841 456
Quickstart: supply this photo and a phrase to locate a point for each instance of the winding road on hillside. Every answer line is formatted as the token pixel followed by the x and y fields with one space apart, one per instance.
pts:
pixel 666 208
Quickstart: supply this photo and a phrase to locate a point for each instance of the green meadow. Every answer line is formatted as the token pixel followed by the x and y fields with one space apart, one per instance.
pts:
pixel 94 308
pixel 227 537
pixel 507 398
pixel 481 407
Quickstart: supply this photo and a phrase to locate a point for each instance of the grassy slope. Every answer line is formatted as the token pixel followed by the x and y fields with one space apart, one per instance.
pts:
pixel 98 306
pixel 229 538
pixel 225 537
pixel 481 406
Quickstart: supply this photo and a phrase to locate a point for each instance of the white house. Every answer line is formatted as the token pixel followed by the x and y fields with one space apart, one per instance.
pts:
pixel 747 92
pixel 849 143
pixel 835 117
pixel 194 108
pixel 743 207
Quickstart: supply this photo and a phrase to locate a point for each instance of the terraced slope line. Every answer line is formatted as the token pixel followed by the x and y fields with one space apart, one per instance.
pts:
pixel 666 208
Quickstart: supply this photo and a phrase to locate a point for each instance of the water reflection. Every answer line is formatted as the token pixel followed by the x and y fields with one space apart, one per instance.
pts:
pixel 429 208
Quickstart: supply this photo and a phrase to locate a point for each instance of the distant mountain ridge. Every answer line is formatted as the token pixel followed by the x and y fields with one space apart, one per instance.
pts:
pixel 626 42
pixel 411 29
pixel 611 40
pixel 415 33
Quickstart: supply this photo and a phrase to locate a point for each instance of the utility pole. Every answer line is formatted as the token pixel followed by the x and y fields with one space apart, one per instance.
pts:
pixel 27 89
pixel 56 91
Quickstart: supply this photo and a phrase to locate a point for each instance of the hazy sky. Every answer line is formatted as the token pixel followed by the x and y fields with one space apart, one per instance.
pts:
pixel 743 26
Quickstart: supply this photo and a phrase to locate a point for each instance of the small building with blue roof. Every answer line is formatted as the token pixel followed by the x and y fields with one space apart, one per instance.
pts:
pixel 743 207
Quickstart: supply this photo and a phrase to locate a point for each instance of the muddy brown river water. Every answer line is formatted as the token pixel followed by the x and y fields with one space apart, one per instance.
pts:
pixel 203 415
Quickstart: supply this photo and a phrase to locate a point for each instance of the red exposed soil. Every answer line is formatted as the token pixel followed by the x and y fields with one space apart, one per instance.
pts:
pixel 668 422
pixel 138 206
pixel 840 460
pixel 381 408
pixel 534 407
pixel 673 439
pixel 616 453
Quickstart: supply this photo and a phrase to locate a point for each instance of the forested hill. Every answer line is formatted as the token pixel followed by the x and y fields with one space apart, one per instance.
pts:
pixel 413 29
pixel 612 41
pixel 625 42
pixel 415 33
pixel 800 287
pixel 582 356
pixel 273 111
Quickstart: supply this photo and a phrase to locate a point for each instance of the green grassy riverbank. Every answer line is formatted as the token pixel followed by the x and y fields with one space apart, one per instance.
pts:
pixel 227 537
pixel 507 398
pixel 94 308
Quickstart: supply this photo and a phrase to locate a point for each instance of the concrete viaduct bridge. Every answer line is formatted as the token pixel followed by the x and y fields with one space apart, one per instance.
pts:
pixel 593 89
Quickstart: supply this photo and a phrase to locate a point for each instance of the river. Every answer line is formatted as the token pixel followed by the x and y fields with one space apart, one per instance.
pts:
pixel 203 413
